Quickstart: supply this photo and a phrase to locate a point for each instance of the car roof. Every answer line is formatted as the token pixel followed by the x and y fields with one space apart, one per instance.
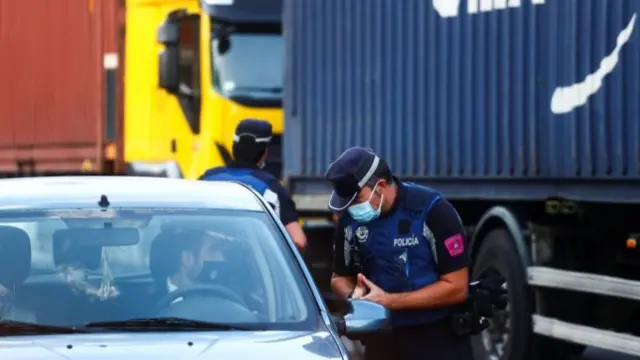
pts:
pixel 125 191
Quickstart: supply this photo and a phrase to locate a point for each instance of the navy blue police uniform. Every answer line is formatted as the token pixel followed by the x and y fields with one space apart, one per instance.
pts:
pixel 256 133
pixel 405 249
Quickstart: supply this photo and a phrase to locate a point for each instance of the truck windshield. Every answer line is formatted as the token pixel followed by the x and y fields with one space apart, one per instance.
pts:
pixel 249 66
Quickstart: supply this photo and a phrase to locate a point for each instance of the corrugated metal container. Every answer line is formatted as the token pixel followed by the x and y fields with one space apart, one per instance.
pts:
pixel 450 89
pixel 61 83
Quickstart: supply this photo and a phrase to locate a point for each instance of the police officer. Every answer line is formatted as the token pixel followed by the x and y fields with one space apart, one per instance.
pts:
pixel 400 245
pixel 250 148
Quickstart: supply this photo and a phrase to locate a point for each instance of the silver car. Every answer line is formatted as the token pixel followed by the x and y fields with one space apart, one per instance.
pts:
pixel 152 268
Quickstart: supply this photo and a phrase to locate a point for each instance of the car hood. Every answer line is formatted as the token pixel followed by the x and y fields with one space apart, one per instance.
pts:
pixel 173 345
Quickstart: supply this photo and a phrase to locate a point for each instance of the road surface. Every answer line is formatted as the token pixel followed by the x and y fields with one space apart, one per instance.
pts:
pixel 597 354
pixel 589 354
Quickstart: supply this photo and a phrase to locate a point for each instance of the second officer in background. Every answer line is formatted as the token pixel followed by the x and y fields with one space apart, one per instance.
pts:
pixel 250 147
pixel 402 246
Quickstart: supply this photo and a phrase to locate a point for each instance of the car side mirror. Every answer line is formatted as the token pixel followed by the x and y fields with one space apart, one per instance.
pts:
pixel 364 317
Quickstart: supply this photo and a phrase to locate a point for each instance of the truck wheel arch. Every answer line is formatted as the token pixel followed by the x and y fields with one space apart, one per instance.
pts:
pixel 500 216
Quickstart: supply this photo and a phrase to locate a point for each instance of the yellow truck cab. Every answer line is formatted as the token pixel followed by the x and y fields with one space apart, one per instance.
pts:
pixel 194 69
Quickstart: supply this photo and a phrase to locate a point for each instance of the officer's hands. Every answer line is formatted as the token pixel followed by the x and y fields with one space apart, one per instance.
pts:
pixel 375 294
pixel 361 289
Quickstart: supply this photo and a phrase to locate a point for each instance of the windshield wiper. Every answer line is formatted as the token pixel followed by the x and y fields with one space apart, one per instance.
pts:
pixel 11 327
pixel 167 323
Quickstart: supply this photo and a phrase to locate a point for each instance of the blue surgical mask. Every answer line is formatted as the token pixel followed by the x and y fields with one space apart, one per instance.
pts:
pixel 364 212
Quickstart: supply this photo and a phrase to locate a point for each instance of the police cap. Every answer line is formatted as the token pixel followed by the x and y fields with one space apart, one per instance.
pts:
pixel 253 130
pixel 350 172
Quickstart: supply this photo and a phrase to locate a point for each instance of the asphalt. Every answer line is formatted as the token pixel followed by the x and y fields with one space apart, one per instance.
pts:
pixel 598 354
pixel 589 354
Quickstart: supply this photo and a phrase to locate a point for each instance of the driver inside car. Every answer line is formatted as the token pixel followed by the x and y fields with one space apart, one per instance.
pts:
pixel 195 278
pixel 188 257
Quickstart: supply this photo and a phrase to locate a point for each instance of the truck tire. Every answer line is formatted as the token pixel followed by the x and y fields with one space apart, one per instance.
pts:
pixel 498 253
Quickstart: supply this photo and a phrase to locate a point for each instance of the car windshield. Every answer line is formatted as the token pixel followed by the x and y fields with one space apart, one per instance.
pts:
pixel 141 267
pixel 251 65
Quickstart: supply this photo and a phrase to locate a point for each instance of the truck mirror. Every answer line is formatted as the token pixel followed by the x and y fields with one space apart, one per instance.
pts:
pixel 169 32
pixel 168 68
pixel 169 59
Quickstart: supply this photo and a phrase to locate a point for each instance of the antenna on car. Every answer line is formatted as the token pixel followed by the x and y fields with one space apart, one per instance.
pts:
pixel 104 202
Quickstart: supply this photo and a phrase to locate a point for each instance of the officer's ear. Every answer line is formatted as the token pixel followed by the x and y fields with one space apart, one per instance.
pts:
pixel 382 186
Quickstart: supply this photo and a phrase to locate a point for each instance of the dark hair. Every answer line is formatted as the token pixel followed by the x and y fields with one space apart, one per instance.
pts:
pixel 382 173
pixel 248 151
pixel 167 248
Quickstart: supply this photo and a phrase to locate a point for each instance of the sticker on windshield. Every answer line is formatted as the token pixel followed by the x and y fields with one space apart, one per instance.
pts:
pixel 219 2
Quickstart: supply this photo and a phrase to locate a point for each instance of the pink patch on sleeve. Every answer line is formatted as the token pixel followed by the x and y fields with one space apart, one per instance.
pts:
pixel 455 245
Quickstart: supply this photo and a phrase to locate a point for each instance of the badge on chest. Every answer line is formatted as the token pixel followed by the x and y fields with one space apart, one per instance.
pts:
pixel 362 234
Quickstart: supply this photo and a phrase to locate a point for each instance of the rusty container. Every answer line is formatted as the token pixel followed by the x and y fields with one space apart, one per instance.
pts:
pixel 61 90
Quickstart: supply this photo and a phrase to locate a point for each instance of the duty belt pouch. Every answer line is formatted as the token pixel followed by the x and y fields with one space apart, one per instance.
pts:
pixel 462 324
pixel 467 321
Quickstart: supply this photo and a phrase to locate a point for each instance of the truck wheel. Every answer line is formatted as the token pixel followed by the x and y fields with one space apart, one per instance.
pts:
pixel 509 337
